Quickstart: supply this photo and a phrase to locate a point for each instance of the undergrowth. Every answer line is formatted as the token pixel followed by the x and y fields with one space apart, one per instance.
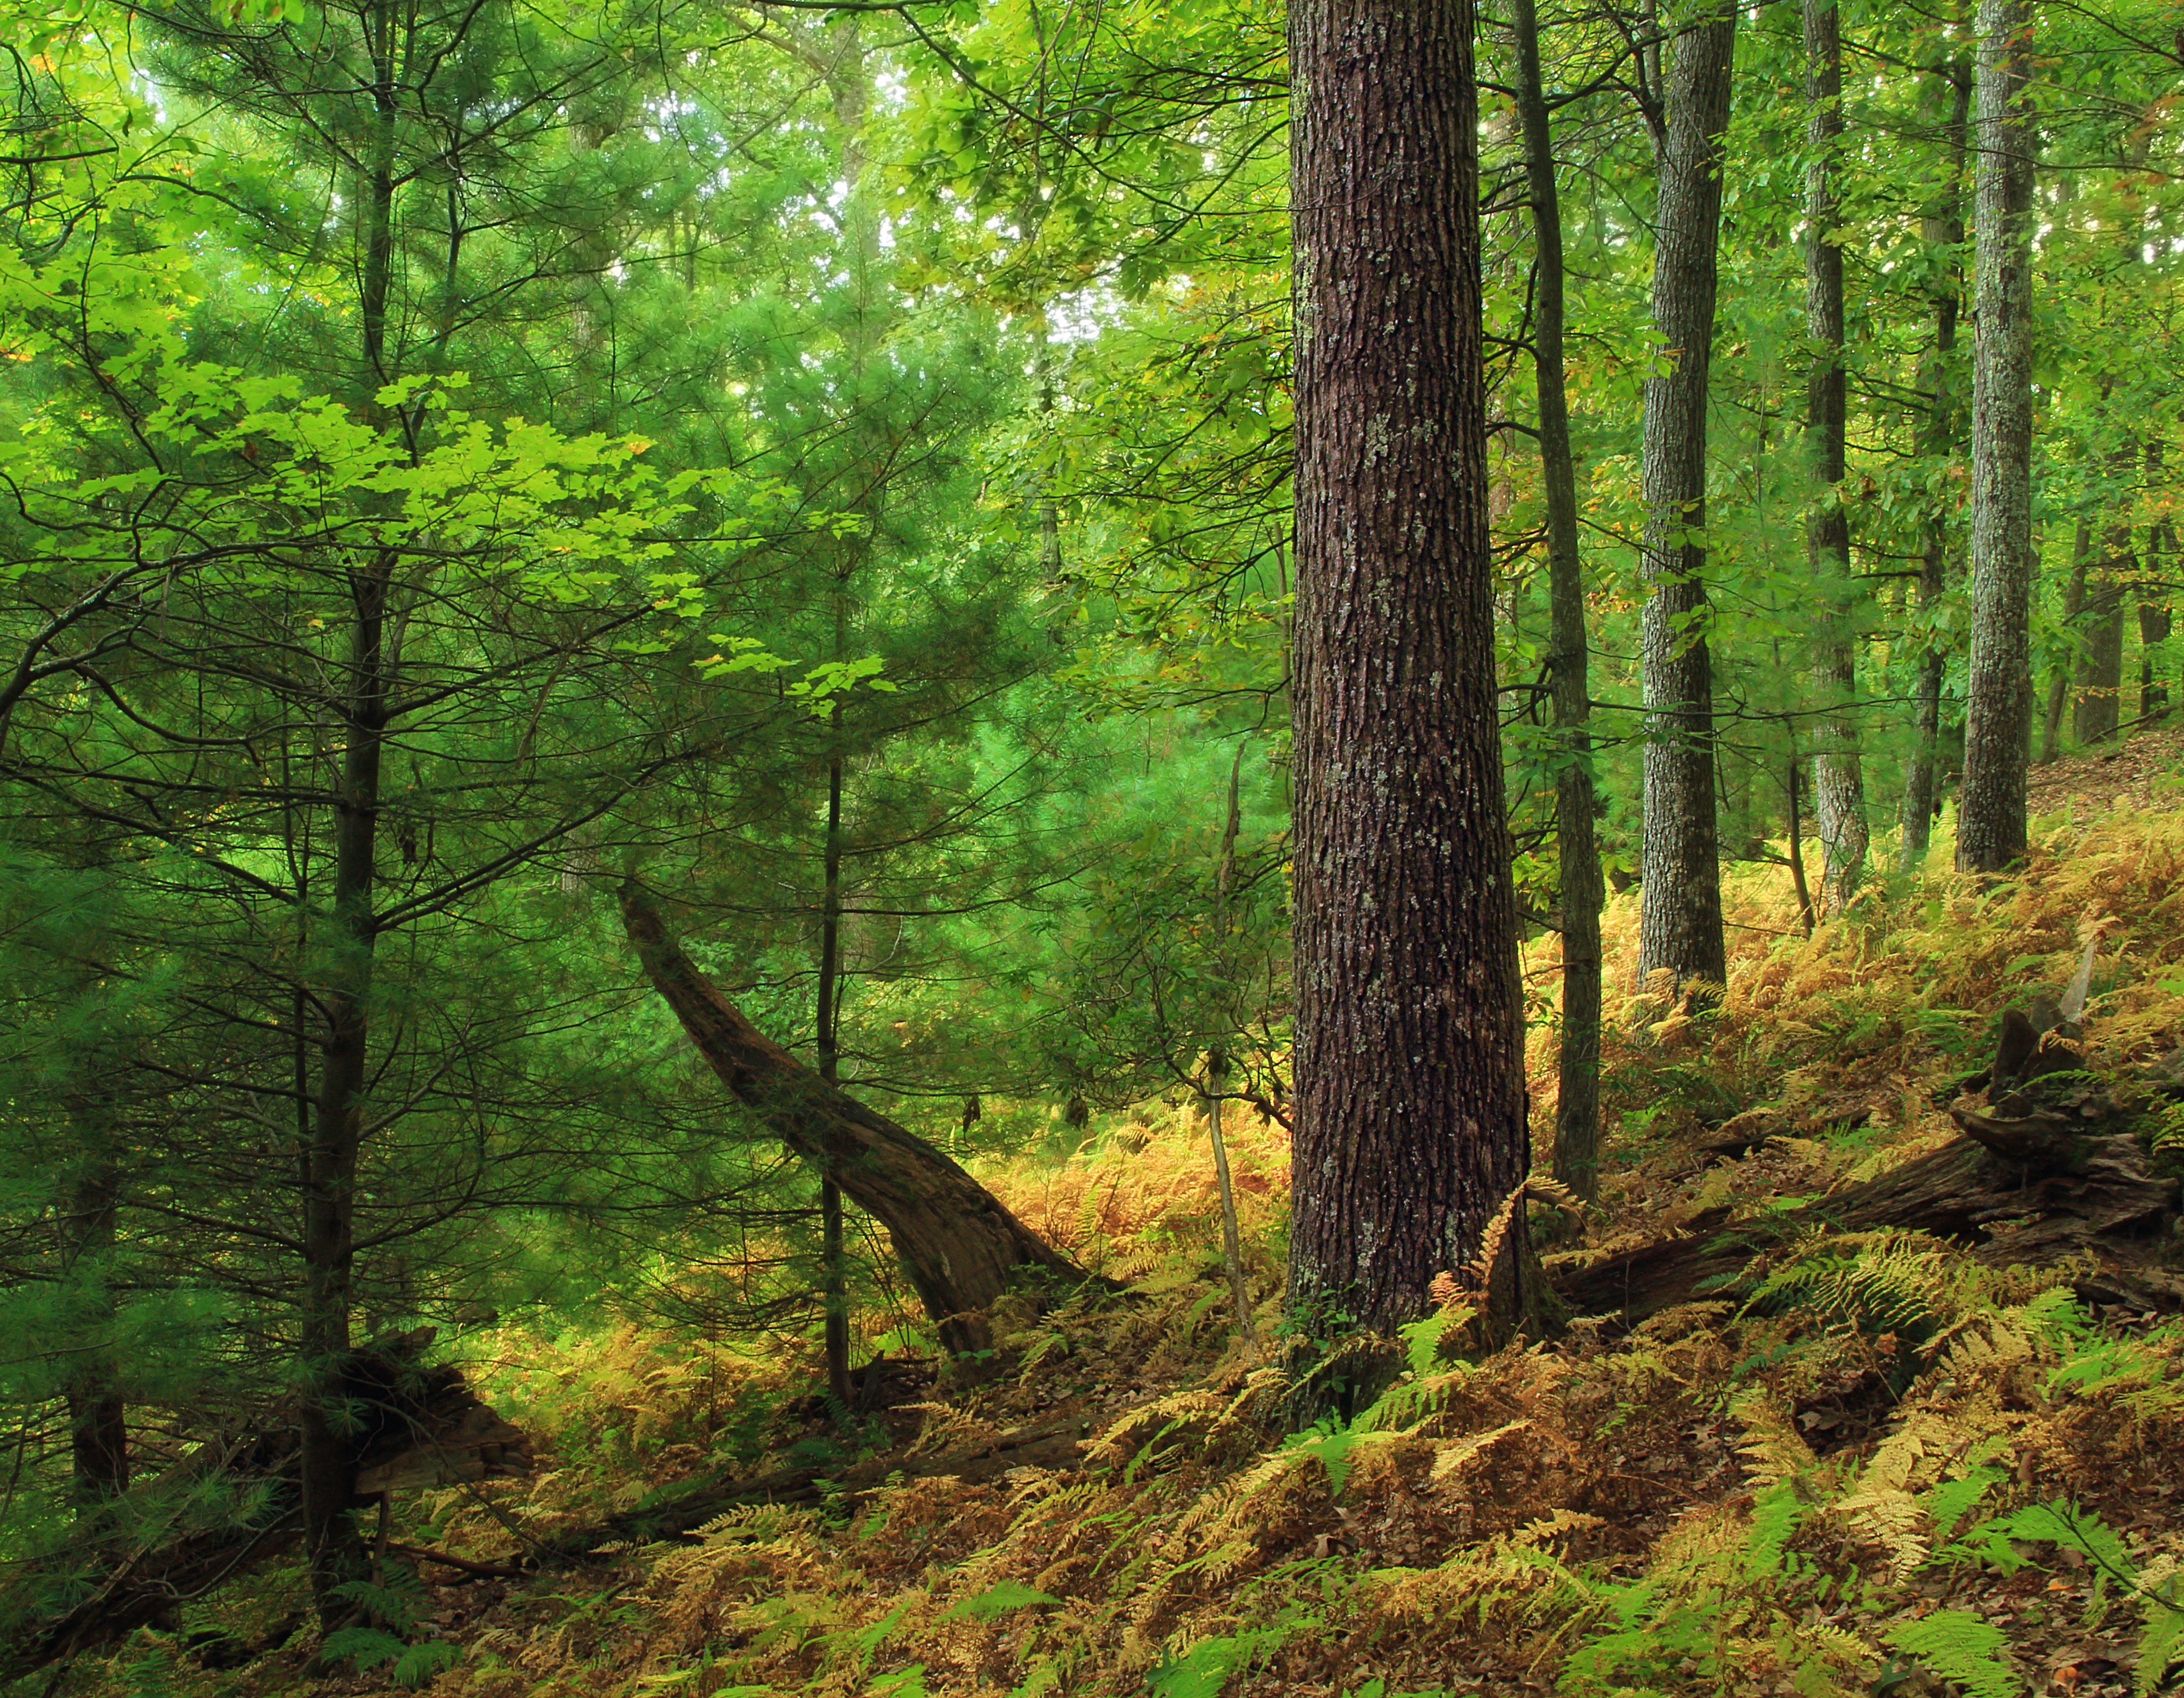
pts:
pixel 1884 1467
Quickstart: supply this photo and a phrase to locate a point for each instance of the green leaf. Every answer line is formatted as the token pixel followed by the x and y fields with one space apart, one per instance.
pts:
pixel 1962 1648
pixel 998 1600
pixel 362 1647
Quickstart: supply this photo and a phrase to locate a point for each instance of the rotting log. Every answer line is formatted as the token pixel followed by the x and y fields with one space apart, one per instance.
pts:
pixel 2031 1180
pixel 236 1501
pixel 958 1242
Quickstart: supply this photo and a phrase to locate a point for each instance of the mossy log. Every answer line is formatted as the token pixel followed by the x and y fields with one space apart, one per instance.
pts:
pixel 2042 1171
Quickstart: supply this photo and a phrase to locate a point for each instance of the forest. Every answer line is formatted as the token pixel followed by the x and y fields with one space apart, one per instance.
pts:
pixel 888 848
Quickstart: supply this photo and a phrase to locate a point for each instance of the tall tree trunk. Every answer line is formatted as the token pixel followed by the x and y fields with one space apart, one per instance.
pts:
pixel 98 1414
pixel 959 1244
pixel 329 1164
pixel 1990 823
pixel 2153 607
pixel 1940 223
pixel 1217 1059
pixel 2073 609
pixel 1410 1080
pixel 850 88
pixel 1577 1103
pixel 2100 675
pixel 835 1276
pixel 1838 772
pixel 1680 919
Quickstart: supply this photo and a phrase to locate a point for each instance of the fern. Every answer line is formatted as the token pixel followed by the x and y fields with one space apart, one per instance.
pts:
pixel 361 1648
pixel 998 1600
pixel 1962 1648
pixel 2162 1642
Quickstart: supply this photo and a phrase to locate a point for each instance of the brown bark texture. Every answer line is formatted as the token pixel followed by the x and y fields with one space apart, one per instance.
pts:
pixel 1991 820
pixel 1680 917
pixel 1577 848
pixel 959 1244
pixel 1410 1090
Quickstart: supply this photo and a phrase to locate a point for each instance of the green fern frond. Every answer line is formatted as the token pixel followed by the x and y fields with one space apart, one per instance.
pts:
pixel 1962 1648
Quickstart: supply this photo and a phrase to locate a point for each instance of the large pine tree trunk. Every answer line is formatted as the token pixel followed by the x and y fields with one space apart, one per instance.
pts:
pixel 959 1244
pixel 1838 771
pixel 1410 1088
pixel 1680 925
pixel 1991 824
pixel 1940 225
pixel 1577 1101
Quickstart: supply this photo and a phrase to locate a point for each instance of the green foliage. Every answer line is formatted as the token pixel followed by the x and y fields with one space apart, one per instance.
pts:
pixel 1962 1648
pixel 999 1599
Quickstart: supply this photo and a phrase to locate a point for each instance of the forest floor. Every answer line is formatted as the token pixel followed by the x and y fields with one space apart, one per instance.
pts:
pixel 1876 1462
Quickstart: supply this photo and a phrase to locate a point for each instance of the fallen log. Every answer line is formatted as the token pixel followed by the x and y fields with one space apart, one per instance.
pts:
pixel 1056 1446
pixel 958 1242
pixel 2033 1179
pixel 236 1501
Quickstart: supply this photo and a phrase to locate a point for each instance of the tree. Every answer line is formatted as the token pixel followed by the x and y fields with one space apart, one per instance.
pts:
pixel 1681 922
pixel 1990 823
pixel 1838 774
pixel 1410 1101
pixel 1941 232
pixel 1577 1099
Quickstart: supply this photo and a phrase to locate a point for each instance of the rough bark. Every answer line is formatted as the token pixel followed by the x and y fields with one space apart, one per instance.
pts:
pixel 1680 923
pixel 1990 823
pixel 1940 223
pixel 1410 1116
pixel 959 1244
pixel 1838 770
pixel 1577 848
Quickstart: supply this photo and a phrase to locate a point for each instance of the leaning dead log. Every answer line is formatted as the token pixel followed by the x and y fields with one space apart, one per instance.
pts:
pixel 959 1243
pixel 2041 1172
pixel 235 1501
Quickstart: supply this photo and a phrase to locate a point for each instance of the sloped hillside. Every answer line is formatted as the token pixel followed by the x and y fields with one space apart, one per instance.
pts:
pixel 1853 1459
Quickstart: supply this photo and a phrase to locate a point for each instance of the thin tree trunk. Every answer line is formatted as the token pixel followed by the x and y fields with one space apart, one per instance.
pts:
pixel 834 1267
pixel 959 1245
pixel 2153 607
pixel 2073 608
pixel 1577 1103
pixel 1990 823
pixel 1942 225
pixel 98 1414
pixel 335 1551
pixel 1217 1059
pixel 1680 921
pixel 2100 673
pixel 1838 770
pixel 1410 1132
pixel 1797 879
